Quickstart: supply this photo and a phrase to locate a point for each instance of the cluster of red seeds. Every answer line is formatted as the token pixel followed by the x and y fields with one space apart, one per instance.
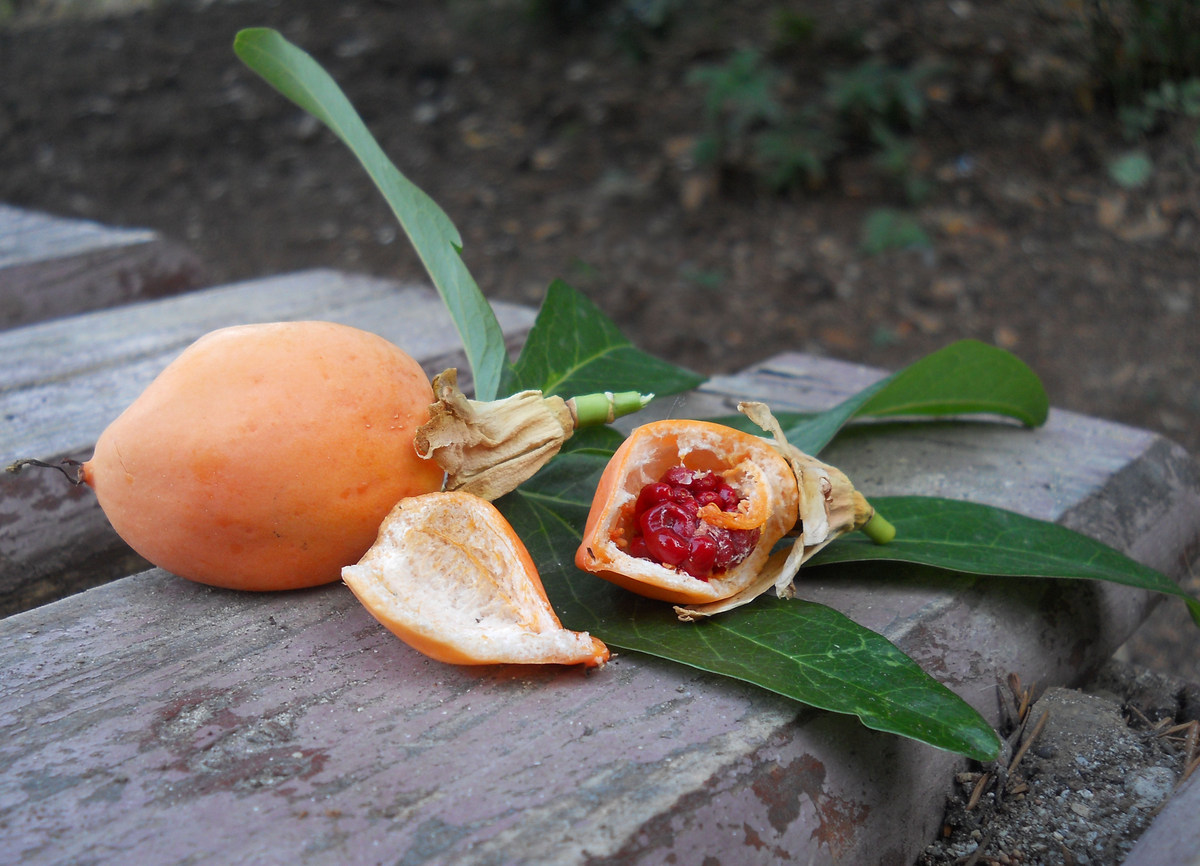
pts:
pixel 668 530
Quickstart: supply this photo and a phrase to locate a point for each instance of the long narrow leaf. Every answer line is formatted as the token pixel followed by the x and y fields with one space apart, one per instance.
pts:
pixel 302 80
pixel 966 377
pixel 982 539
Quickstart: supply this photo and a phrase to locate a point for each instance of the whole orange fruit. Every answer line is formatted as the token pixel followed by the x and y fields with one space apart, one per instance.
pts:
pixel 266 456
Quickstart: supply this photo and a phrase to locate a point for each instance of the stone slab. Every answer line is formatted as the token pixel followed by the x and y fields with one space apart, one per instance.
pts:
pixel 156 721
pixel 63 381
pixel 52 267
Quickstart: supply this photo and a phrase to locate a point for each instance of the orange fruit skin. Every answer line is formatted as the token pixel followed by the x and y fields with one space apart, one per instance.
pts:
pixel 449 576
pixel 648 452
pixel 265 456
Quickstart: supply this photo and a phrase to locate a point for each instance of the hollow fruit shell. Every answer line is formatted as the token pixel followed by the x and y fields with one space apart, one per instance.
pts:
pixel 450 577
pixel 265 456
pixel 748 462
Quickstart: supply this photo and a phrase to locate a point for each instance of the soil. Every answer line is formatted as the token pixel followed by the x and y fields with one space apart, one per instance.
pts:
pixel 564 145
pixel 1085 773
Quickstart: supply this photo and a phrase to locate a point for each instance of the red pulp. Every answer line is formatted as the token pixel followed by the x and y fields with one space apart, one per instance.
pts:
pixel 668 530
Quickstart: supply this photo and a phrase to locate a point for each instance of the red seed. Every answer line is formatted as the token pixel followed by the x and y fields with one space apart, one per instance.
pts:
pixel 678 476
pixel 671 532
pixel 729 498
pixel 668 517
pixel 701 557
pixel 666 547
pixel 651 495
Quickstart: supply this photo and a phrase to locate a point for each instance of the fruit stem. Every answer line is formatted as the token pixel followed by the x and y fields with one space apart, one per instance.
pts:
pixel 591 410
pixel 69 467
pixel 879 529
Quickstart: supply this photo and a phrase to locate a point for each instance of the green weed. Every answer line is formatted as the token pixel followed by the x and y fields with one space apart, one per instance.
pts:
pixel 870 107
pixel 1160 105
pixel 1139 45
pixel 890 229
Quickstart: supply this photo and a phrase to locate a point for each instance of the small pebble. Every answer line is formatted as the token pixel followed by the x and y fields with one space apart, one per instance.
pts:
pixel 1150 786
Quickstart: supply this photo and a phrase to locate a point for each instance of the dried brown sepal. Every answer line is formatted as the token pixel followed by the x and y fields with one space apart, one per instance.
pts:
pixel 829 508
pixel 489 449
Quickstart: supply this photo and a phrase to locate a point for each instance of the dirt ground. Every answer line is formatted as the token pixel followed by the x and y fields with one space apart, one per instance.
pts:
pixel 560 152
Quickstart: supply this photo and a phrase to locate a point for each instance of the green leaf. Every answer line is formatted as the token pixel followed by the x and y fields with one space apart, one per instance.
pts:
pixel 966 377
pixel 812 653
pixel 982 539
pixel 298 77
pixel 573 348
pixel 804 651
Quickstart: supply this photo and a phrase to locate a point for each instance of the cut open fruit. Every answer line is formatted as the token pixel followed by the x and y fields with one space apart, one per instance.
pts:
pixel 689 511
pixel 689 457
pixel 450 577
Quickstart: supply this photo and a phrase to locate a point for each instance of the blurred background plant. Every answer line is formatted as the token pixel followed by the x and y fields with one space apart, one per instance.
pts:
pixel 636 25
pixel 763 120
pixel 768 118
pixel 1140 45
pixel 757 123
pixel 1146 59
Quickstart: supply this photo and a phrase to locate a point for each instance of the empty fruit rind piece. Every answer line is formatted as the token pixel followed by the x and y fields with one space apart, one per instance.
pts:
pixel 450 577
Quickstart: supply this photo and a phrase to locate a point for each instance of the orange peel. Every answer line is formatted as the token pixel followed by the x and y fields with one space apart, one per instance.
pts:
pixel 449 576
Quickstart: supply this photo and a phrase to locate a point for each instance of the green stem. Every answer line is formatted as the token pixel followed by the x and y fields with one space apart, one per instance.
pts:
pixel 878 529
pixel 594 409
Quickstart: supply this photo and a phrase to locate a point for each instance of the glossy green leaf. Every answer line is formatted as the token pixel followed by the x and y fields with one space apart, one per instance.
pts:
pixel 965 378
pixel 813 654
pixel 801 650
pixel 981 539
pixel 573 348
pixel 301 79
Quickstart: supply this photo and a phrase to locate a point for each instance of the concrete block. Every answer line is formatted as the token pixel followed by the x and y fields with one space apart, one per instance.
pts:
pixel 152 720
pixel 51 267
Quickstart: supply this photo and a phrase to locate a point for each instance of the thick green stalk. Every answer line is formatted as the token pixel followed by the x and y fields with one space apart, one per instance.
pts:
pixel 590 410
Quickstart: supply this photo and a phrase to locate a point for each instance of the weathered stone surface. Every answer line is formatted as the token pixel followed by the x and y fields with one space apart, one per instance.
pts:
pixel 52 267
pixel 152 720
